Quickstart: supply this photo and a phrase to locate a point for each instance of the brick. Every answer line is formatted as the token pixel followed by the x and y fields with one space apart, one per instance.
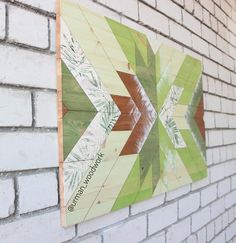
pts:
pixel 26 150
pixel 189 5
pixel 221 120
pixel 200 45
pixel 52 27
pixel 178 232
pixel 147 15
pixel 148 204
pixel 49 6
pixel 228 137
pixel 217 172
pixel 7 197
pixel 2 20
pixel 28 28
pixel 199 184
pixel 215 54
pixel 218 225
pixel 189 204
pixel 45 109
pixel 200 218
pixel 230 199
pixel 192 239
pixel 161 218
pixel 122 232
pixel 225 220
pixel 206 18
pixel 37 185
pixel 128 8
pixel 223 187
pixel 201 235
pixel 16 108
pixel 92 239
pixel 233 182
pixel 230 231
pixel 220 15
pixel 231 215
pixel 160 237
pixel 198 11
pixel 219 238
pixel 224 74
pixel 210 67
pixel 103 221
pixel 169 8
pixel 177 193
pixel 24 67
pixel 192 23
pixel 209 5
pixel 151 2
pixel 208 195
pixel 180 34
pixel 226 105
pixel 210 231
pixel 215 138
pixel 217 208
pixel 214 23
pixel 208 35
pixel 222 44
pixel 39 228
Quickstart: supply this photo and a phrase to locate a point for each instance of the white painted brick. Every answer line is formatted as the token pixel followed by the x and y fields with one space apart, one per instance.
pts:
pixel 211 85
pixel 200 218
pixel 200 45
pixel 230 231
pixel 223 187
pixel 216 155
pixel 230 199
pixel 180 34
pixel 222 44
pixel 220 15
pixel 219 238
pixel 2 20
pixel 198 10
pixel 147 204
pixel 191 22
pixel 52 35
pixel 45 109
pixel 161 218
pixel 169 8
pixel 218 225
pixel 37 229
pixel 121 232
pixel 93 239
pixel 209 5
pixel 228 136
pixel 210 67
pixel 178 232
pixel 208 35
pixel 49 6
pixel 226 7
pixel 177 192
pixel 208 195
pixel 224 74
pixel 217 172
pixel 233 182
pixel 218 87
pixel 210 231
pixel 209 119
pixel 215 54
pixel 189 204
pixel 151 2
pixel 217 208
pixel 201 235
pixel 147 15
pixel 160 237
pixel 103 221
pixel 231 215
pixel 192 239
pixel 7 197
pixel 23 67
pixel 221 120
pixel 189 5
pixel 215 138
pixel 225 220
pixel 199 184
pixel 37 185
pixel 206 17
pixel 15 108
pixel 31 150
pixel 28 28
pixel 225 89
pixel 214 23
pixel 226 105
pixel 228 61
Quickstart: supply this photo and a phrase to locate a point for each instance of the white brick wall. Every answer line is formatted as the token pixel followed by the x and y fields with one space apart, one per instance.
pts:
pixel 204 211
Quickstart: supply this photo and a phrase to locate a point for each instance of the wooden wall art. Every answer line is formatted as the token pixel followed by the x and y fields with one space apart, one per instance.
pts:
pixel 130 115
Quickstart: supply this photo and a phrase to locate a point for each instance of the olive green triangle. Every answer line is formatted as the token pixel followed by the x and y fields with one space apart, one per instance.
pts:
pixel 74 125
pixel 73 95
pixel 130 188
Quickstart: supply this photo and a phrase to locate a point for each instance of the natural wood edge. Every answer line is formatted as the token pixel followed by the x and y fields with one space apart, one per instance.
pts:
pixel 59 110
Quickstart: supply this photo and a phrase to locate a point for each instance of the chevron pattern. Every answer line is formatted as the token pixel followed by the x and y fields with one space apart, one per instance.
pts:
pixel 130 116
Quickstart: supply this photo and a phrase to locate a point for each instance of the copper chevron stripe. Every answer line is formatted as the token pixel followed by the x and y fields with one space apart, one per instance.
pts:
pixel 129 113
pixel 147 118
pixel 199 118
